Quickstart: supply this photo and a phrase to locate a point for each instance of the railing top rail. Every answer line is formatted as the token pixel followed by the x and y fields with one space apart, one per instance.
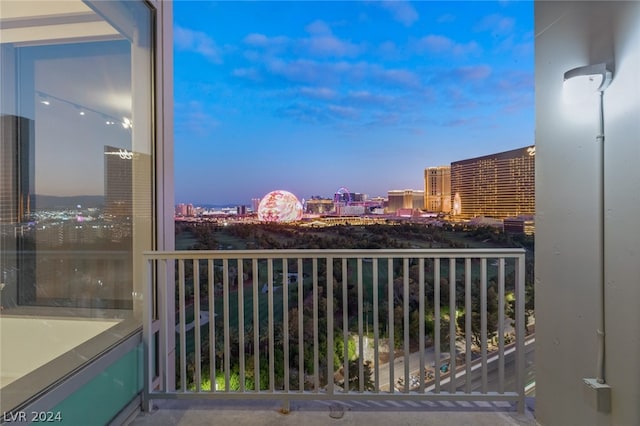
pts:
pixel 351 253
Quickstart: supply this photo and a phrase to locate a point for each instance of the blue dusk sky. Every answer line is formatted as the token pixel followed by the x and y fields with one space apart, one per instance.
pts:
pixel 313 96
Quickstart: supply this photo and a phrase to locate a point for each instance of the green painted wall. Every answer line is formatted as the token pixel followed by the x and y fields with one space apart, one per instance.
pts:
pixel 100 400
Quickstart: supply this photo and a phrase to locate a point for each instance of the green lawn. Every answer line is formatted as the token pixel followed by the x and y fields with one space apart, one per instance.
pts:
pixel 185 240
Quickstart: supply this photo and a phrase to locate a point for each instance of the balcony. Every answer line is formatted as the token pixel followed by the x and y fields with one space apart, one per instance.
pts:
pixel 273 333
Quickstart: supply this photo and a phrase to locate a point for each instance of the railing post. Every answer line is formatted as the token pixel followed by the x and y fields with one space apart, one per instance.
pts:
pixel 286 406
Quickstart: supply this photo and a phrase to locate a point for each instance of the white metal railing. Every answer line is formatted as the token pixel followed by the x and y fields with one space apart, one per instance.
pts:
pixel 266 324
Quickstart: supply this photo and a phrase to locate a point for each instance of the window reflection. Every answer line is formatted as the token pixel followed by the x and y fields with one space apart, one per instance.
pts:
pixel 76 203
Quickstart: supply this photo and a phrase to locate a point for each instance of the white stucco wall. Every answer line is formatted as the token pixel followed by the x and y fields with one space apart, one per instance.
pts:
pixel 568 255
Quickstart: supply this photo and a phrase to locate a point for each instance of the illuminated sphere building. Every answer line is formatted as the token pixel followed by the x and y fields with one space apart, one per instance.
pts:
pixel 279 206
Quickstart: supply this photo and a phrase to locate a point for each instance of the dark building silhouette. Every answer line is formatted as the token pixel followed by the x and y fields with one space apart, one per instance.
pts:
pixel 16 169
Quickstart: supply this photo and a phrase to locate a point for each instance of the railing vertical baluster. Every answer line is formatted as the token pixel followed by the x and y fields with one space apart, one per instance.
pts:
pixel 301 371
pixel 520 330
pixel 316 356
pixel 376 325
pixel 345 326
pixel 225 312
pixel 241 329
pixel 452 325
pixel 285 321
pixel 483 323
pixel 467 322
pixel 360 327
pixel 183 333
pixel 256 325
pixel 147 333
pixel 405 325
pixel 272 374
pixel 501 325
pixel 197 323
pixel 390 313
pixel 421 321
pixel 212 324
pixel 436 325
pixel 330 331
pixel 166 326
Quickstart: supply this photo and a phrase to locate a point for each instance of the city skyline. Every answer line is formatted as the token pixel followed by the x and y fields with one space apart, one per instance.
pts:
pixel 364 95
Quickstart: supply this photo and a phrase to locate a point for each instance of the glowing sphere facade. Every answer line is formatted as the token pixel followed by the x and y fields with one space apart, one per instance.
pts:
pixel 279 206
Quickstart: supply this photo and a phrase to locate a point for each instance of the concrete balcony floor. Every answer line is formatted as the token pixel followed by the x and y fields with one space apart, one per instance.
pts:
pixel 317 413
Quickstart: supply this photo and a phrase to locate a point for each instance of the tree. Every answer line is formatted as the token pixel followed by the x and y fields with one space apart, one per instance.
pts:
pixel 476 314
pixel 354 376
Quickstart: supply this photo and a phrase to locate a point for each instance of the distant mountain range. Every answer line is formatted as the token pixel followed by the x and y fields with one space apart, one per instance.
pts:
pixel 51 201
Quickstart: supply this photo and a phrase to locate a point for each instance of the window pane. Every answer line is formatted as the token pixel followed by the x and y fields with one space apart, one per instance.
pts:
pixel 75 180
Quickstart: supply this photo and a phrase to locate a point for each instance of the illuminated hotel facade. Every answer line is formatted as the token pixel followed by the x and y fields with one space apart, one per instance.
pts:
pixel 404 199
pixel 437 189
pixel 498 185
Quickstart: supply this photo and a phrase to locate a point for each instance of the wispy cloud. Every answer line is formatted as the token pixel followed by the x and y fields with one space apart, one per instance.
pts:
pixel 520 47
pixel 498 25
pixel 402 11
pixel 313 113
pixel 332 74
pixel 446 18
pixel 383 119
pixel 302 70
pixel 398 77
pixel 342 111
pixel 247 73
pixel 324 93
pixel 444 45
pixel 389 50
pixel 330 46
pixel 321 43
pixel 513 81
pixel 365 97
pixel 473 72
pixel 459 122
pixel 318 27
pixel 197 42
pixel 192 119
pixel 262 41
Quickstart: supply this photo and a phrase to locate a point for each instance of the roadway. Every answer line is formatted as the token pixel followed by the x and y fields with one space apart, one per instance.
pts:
pixel 476 373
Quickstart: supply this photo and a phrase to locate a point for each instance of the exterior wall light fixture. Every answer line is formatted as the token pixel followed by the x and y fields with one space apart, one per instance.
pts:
pixel 590 78
pixel 579 83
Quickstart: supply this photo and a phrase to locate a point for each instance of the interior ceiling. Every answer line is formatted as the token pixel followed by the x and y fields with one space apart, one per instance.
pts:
pixel 41 22
pixel 97 80
pixel 14 9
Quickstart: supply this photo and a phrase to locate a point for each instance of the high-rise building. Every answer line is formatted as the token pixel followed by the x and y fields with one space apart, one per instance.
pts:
pixel 497 185
pixel 117 181
pixel 185 210
pixel 405 199
pixel 16 171
pixel 320 206
pixel 437 189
